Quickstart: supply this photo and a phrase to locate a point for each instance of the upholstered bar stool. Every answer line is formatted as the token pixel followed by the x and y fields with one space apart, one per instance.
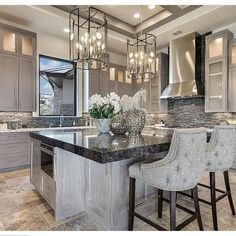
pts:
pixel 181 169
pixel 221 151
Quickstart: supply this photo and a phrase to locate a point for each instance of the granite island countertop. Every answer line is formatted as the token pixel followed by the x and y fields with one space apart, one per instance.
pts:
pixel 105 148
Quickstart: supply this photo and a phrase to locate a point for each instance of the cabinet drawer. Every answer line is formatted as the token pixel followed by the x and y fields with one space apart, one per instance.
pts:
pixel 13 161
pixel 14 136
pixel 49 189
pixel 12 147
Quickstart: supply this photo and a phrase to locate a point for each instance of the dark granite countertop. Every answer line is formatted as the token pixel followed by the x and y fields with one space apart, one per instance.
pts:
pixel 105 148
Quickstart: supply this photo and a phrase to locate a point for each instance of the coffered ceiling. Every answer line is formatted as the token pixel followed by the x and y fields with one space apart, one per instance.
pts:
pixel 121 17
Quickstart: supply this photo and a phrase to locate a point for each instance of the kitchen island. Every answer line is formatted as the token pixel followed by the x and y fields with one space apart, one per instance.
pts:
pixel 82 170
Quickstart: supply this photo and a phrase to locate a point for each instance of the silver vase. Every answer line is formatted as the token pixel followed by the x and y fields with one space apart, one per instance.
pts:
pixel 135 121
pixel 118 124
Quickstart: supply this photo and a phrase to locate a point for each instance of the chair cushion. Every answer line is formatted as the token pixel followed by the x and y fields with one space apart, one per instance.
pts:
pixel 135 171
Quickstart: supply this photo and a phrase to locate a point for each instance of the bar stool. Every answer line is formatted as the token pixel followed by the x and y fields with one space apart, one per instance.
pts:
pixel 181 169
pixel 221 151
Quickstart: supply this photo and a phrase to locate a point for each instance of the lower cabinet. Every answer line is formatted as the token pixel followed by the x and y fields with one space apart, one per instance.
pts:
pixel 14 150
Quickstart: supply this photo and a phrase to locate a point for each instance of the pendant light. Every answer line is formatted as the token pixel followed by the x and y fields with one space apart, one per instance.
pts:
pixel 88 38
pixel 141 55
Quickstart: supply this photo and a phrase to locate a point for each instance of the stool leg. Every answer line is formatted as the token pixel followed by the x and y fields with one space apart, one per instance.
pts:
pixel 194 192
pixel 131 203
pixel 227 185
pixel 172 210
pixel 160 202
pixel 213 199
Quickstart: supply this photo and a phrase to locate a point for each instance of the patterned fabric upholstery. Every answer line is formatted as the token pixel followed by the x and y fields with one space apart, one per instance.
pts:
pixel 182 167
pixel 221 149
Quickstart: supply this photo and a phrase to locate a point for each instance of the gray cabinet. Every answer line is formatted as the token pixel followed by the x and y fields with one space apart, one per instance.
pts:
pixel 35 168
pixel 216 69
pixel 17 69
pixel 26 84
pixel 14 150
pixel 8 82
pixel 98 82
pixel 232 77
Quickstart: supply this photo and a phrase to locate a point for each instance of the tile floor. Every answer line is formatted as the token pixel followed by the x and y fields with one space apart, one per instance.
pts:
pixel 22 208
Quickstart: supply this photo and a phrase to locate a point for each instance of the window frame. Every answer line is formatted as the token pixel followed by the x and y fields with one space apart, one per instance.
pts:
pixel 75 85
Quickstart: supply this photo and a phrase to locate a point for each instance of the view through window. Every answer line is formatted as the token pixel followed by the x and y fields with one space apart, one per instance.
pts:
pixel 57 87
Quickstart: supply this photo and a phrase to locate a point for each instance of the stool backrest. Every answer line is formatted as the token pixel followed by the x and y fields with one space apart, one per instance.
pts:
pixel 221 149
pixel 184 164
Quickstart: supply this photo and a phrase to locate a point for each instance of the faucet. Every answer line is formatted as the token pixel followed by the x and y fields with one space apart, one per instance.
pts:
pixel 61 120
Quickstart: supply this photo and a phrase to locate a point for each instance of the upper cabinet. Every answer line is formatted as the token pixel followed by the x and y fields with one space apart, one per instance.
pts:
pixel 17 69
pixel 232 76
pixel 216 71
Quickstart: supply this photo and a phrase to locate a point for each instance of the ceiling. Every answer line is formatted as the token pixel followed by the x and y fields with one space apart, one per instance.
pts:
pixel 52 20
pixel 126 13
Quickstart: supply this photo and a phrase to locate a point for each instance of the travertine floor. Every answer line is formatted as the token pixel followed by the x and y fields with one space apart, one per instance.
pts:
pixel 21 208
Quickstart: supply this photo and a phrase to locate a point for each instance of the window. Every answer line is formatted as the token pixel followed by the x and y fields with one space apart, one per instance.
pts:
pixel 57 87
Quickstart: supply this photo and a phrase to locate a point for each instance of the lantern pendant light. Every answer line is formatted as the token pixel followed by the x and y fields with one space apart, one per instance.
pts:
pixel 88 38
pixel 141 55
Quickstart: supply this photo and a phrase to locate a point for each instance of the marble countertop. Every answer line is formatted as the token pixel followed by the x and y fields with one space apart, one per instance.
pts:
pixel 44 129
pixel 105 148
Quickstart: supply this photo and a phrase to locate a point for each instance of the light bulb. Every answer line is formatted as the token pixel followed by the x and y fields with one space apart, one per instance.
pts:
pixel 151 54
pixel 103 46
pixel 72 36
pixel 98 43
pixel 80 47
pixel 94 38
pixel 136 54
pixel 131 55
pixel 98 35
pixel 150 60
pixel 86 35
pixel 132 60
pixel 82 39
pixel 77 45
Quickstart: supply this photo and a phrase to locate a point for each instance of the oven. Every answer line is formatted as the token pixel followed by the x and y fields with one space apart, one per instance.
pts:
pixel 47 159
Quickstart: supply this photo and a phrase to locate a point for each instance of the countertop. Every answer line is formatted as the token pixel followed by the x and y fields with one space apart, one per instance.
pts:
pixel 105 148
pixel 44 129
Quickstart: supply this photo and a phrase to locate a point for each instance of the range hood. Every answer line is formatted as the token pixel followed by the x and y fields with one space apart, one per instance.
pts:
pixel 185 68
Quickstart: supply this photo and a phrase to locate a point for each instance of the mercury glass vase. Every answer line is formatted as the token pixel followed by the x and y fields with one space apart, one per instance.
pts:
pixel 118 124
pixel 135 121
pixel 103 125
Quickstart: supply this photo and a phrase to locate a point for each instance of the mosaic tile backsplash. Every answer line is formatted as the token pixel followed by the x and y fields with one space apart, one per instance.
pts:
pixel 187 112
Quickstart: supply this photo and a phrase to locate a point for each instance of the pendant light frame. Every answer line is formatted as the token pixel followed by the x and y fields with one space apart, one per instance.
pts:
pixel 88 38
pixel 141 56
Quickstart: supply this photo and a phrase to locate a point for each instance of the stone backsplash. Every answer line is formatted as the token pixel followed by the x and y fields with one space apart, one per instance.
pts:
pixel 187 112
pixel 25 118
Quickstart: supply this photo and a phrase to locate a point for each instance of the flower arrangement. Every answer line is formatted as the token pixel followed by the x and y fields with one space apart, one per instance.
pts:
pixel 104 107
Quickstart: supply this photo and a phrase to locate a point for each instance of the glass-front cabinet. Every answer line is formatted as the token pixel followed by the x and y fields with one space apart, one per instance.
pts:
pixel 216 77
pixel 232 76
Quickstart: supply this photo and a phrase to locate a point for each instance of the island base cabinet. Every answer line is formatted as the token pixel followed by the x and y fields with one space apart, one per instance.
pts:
pixel 70 184
pixel 107 194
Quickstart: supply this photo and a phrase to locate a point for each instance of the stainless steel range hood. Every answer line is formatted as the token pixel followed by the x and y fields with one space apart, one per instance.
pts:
pixel 185 68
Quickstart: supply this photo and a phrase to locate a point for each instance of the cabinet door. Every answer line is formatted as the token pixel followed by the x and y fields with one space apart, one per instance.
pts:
pixel 232 89
pixel 27 45
pixel 103 82
pixel 94 82
pixel 26 84
pixel 35 165
pixel 215 100
pixel 8 82
pixel 8 41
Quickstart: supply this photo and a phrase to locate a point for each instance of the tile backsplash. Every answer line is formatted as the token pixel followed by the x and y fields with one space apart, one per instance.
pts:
pixel 187 112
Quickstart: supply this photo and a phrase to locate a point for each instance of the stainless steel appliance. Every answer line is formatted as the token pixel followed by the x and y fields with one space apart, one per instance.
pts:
pixel 47 159
pixel 185 67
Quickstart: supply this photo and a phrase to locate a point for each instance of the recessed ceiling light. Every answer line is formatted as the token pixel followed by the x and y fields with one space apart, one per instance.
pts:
pixel 66 30
pixel 151 7
pixel 136 15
